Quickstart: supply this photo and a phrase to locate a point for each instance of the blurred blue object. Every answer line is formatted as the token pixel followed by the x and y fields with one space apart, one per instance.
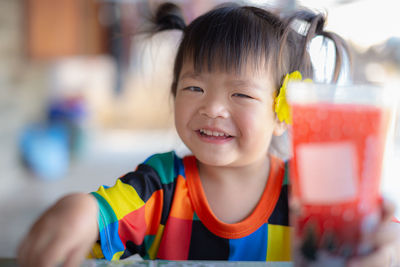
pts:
pixel 72 113
pixel 45 150
pixel 72 109
pixel 47 147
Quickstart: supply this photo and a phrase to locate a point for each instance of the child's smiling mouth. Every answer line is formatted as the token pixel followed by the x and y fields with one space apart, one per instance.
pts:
pixel 213 136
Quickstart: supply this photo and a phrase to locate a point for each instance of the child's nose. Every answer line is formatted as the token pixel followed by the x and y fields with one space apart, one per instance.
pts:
pixel 214 107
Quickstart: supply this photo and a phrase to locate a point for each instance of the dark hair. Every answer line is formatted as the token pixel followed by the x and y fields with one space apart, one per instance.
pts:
pixel 168 17
pixel 229 35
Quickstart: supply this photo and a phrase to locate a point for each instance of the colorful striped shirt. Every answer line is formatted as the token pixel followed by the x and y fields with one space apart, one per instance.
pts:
pixel 160 212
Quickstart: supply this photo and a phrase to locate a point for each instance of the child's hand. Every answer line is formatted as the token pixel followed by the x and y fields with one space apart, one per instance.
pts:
pixel 387 242
pixel 63 234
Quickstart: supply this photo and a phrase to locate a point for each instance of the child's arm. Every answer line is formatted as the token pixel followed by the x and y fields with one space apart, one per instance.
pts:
pixel 387 241
pixel 63 234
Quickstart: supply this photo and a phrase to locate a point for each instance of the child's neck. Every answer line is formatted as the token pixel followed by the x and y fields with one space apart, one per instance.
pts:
pixel 234 192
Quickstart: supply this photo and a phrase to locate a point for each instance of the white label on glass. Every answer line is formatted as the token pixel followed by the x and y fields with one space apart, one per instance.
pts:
pixel 327 172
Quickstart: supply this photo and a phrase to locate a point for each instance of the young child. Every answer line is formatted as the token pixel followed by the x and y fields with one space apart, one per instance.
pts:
pixel 227 201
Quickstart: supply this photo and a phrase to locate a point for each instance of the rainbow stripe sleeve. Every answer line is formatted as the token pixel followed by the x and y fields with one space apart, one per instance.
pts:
pixel 131 212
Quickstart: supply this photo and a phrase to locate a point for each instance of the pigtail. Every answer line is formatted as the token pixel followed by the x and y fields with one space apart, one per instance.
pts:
pixel 340 48
pixel 301 28
pixel 317 23
pixel 168 16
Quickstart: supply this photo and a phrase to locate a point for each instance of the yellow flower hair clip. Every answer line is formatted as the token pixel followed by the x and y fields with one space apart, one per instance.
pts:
pixel 282 107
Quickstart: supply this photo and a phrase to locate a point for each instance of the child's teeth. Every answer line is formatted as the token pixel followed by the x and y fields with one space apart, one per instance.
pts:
pixel 211 133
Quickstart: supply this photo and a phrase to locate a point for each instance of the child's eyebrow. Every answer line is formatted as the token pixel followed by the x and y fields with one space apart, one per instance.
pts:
pixel 191 75
pixel 245 83
pixel 231 83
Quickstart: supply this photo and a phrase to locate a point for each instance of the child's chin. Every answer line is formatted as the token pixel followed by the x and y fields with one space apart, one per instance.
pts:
pixel 213 159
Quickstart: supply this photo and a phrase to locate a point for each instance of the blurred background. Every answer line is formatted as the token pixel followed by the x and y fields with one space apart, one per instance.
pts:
pixel 84 98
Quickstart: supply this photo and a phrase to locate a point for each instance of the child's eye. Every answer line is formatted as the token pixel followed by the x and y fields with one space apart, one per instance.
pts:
pixel 242 95
pixel 193 89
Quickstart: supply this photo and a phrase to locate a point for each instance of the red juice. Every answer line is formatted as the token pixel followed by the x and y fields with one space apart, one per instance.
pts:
pixel 335 173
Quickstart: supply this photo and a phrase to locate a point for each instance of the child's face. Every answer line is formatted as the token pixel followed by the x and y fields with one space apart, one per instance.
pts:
pixel 225 119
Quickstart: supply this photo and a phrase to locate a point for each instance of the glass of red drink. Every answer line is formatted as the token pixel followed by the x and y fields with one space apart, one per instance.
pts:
pixel 338 139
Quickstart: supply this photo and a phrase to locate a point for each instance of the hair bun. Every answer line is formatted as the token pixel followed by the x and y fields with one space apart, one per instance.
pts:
pixel 169 17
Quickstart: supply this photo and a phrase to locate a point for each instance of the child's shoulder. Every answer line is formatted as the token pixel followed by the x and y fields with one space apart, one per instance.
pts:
pixel 161 159
pixel 168 165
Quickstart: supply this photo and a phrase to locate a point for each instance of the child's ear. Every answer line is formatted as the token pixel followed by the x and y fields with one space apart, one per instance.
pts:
pixel 280 128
